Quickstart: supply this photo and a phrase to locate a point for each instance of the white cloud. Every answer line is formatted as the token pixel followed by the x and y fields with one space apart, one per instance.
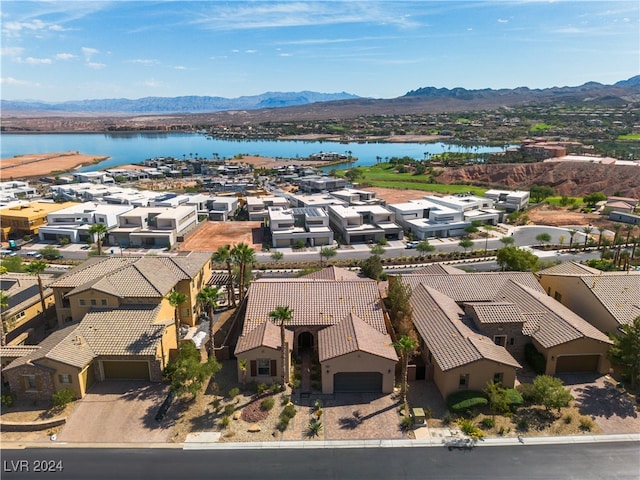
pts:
pixel 152 83
pixel 65 56
pixel 180 67
pixel 89 52
pixel 250 51
pixel 285 54
pixel 503 20
pixel 144 61
pixel 11 51
pixel 37 61
pixel 19 26
pixel 95 65
pixel 14 81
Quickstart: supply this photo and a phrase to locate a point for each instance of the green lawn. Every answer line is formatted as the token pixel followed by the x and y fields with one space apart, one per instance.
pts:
pixel 558 199
pixel 385 175
pixel 541 127
pixel 629 136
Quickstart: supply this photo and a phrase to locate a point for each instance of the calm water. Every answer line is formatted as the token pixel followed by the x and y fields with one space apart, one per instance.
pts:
pixel 125 148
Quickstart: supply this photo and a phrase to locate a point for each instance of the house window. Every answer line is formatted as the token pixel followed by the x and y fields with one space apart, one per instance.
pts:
pixel 557 296
pixel 103 301
pixel 82 302
pixel 264 368
pixel 464 381
pixel 30 382
pixel 94 302
pixel 64 378
pixel 500 340
pixel 512 340
pixel 498 377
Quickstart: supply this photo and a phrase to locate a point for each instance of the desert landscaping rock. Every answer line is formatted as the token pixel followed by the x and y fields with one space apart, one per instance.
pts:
pixel 254 428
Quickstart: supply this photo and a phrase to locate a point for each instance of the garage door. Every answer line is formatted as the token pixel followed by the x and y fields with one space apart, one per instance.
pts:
pixel 128 370
pixel 578 363
pixel 357 382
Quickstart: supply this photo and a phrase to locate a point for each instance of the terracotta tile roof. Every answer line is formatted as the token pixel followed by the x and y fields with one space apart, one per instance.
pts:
pixel 438 269
pixel 128 331
pixel 45 346
pixel 472 287
pixel 23 290
pixel 133 276
pixel 568 268
pixel 319 303
pixel 334 273
pixel 494 312
pixel 619 293
pixel 266 334
pixel 452 343
pixel 353 334
pixel 556 324
pixel 15 351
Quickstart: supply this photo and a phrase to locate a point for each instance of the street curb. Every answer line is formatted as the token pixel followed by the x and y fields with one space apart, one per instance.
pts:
pixel 334 444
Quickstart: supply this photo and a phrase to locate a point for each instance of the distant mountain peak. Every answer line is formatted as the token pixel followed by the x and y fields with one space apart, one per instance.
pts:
pixel 181 104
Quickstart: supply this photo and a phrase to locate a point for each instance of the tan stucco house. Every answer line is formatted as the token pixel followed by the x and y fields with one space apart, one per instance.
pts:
pixel 607 300
pixel 115 322
pixel 337 316
pixel 471 324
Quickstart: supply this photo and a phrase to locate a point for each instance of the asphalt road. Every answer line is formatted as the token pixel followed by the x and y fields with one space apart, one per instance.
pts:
pixel 566 462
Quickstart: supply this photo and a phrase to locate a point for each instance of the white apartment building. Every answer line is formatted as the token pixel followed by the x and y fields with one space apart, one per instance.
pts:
pixel 322 200
pixel 74 222
pixel 94 177
pixel 353 196
pixel 15 189
pixel 258 206
pixel 509 200
pixel 290 226
pixel 363 223
pixel 153 226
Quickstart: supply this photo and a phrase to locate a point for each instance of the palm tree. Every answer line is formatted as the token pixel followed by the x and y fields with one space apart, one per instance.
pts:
pixel 487 229
pixel 37 268
pixel 600 233
pixel 223 255
pixel 98 230
pixel 587 231
pixel 244 256
pixel 4 303
pixel 629 228
pixel 175 300
pixel 406 348
pixel 208 297
pixel 572 233
pixel 280 316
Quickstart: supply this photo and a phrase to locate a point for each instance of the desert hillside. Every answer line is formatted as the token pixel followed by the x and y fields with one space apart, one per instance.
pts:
pixel 565 178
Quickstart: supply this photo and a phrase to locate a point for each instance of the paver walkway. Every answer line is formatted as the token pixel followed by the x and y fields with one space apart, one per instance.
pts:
pixel 305 381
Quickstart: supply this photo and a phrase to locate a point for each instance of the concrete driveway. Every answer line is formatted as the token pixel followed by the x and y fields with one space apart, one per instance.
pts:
pixel 119 412
pixel 598 397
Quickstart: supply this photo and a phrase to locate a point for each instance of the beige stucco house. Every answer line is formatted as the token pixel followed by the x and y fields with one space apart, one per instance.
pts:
pixel 474 328
pixel 607 300
pixel 337 318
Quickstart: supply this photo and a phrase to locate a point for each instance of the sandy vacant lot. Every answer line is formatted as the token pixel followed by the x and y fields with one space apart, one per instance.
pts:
pixel 211 235
pixel 392 195
pixel 41 164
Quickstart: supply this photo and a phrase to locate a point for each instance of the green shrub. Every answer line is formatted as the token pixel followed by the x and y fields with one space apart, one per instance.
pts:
pixel 7 399
pixel 225 421
pixel 275 388
pixel 406 423
pixel 234 392
pixel 283 423
pixel 501 431
pixel 267 404
pixel 568 419
pixel 535 359
pixel 284 400
pixel 488 422
pixel 229 409
pixel 523 424
pixel 514 398
pixel 528 392
pixel 446 420
pixel 469 429
pixel 466 400
pixel 586 424
pixel 262 387
pixel 314 428
pixel 216 404
pixel 289 411
pixel 62 397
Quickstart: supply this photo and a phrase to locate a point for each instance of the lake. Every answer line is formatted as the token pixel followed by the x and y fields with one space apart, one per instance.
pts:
pixel 126 148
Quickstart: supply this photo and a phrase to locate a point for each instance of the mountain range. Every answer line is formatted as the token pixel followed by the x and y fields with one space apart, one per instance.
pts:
pixel 182 105
pixel 291 106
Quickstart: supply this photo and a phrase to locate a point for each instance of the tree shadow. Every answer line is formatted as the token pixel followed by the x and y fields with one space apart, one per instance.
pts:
pixel 604 401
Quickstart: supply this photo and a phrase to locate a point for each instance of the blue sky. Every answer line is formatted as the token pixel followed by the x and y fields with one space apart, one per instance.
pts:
pixel 69 50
